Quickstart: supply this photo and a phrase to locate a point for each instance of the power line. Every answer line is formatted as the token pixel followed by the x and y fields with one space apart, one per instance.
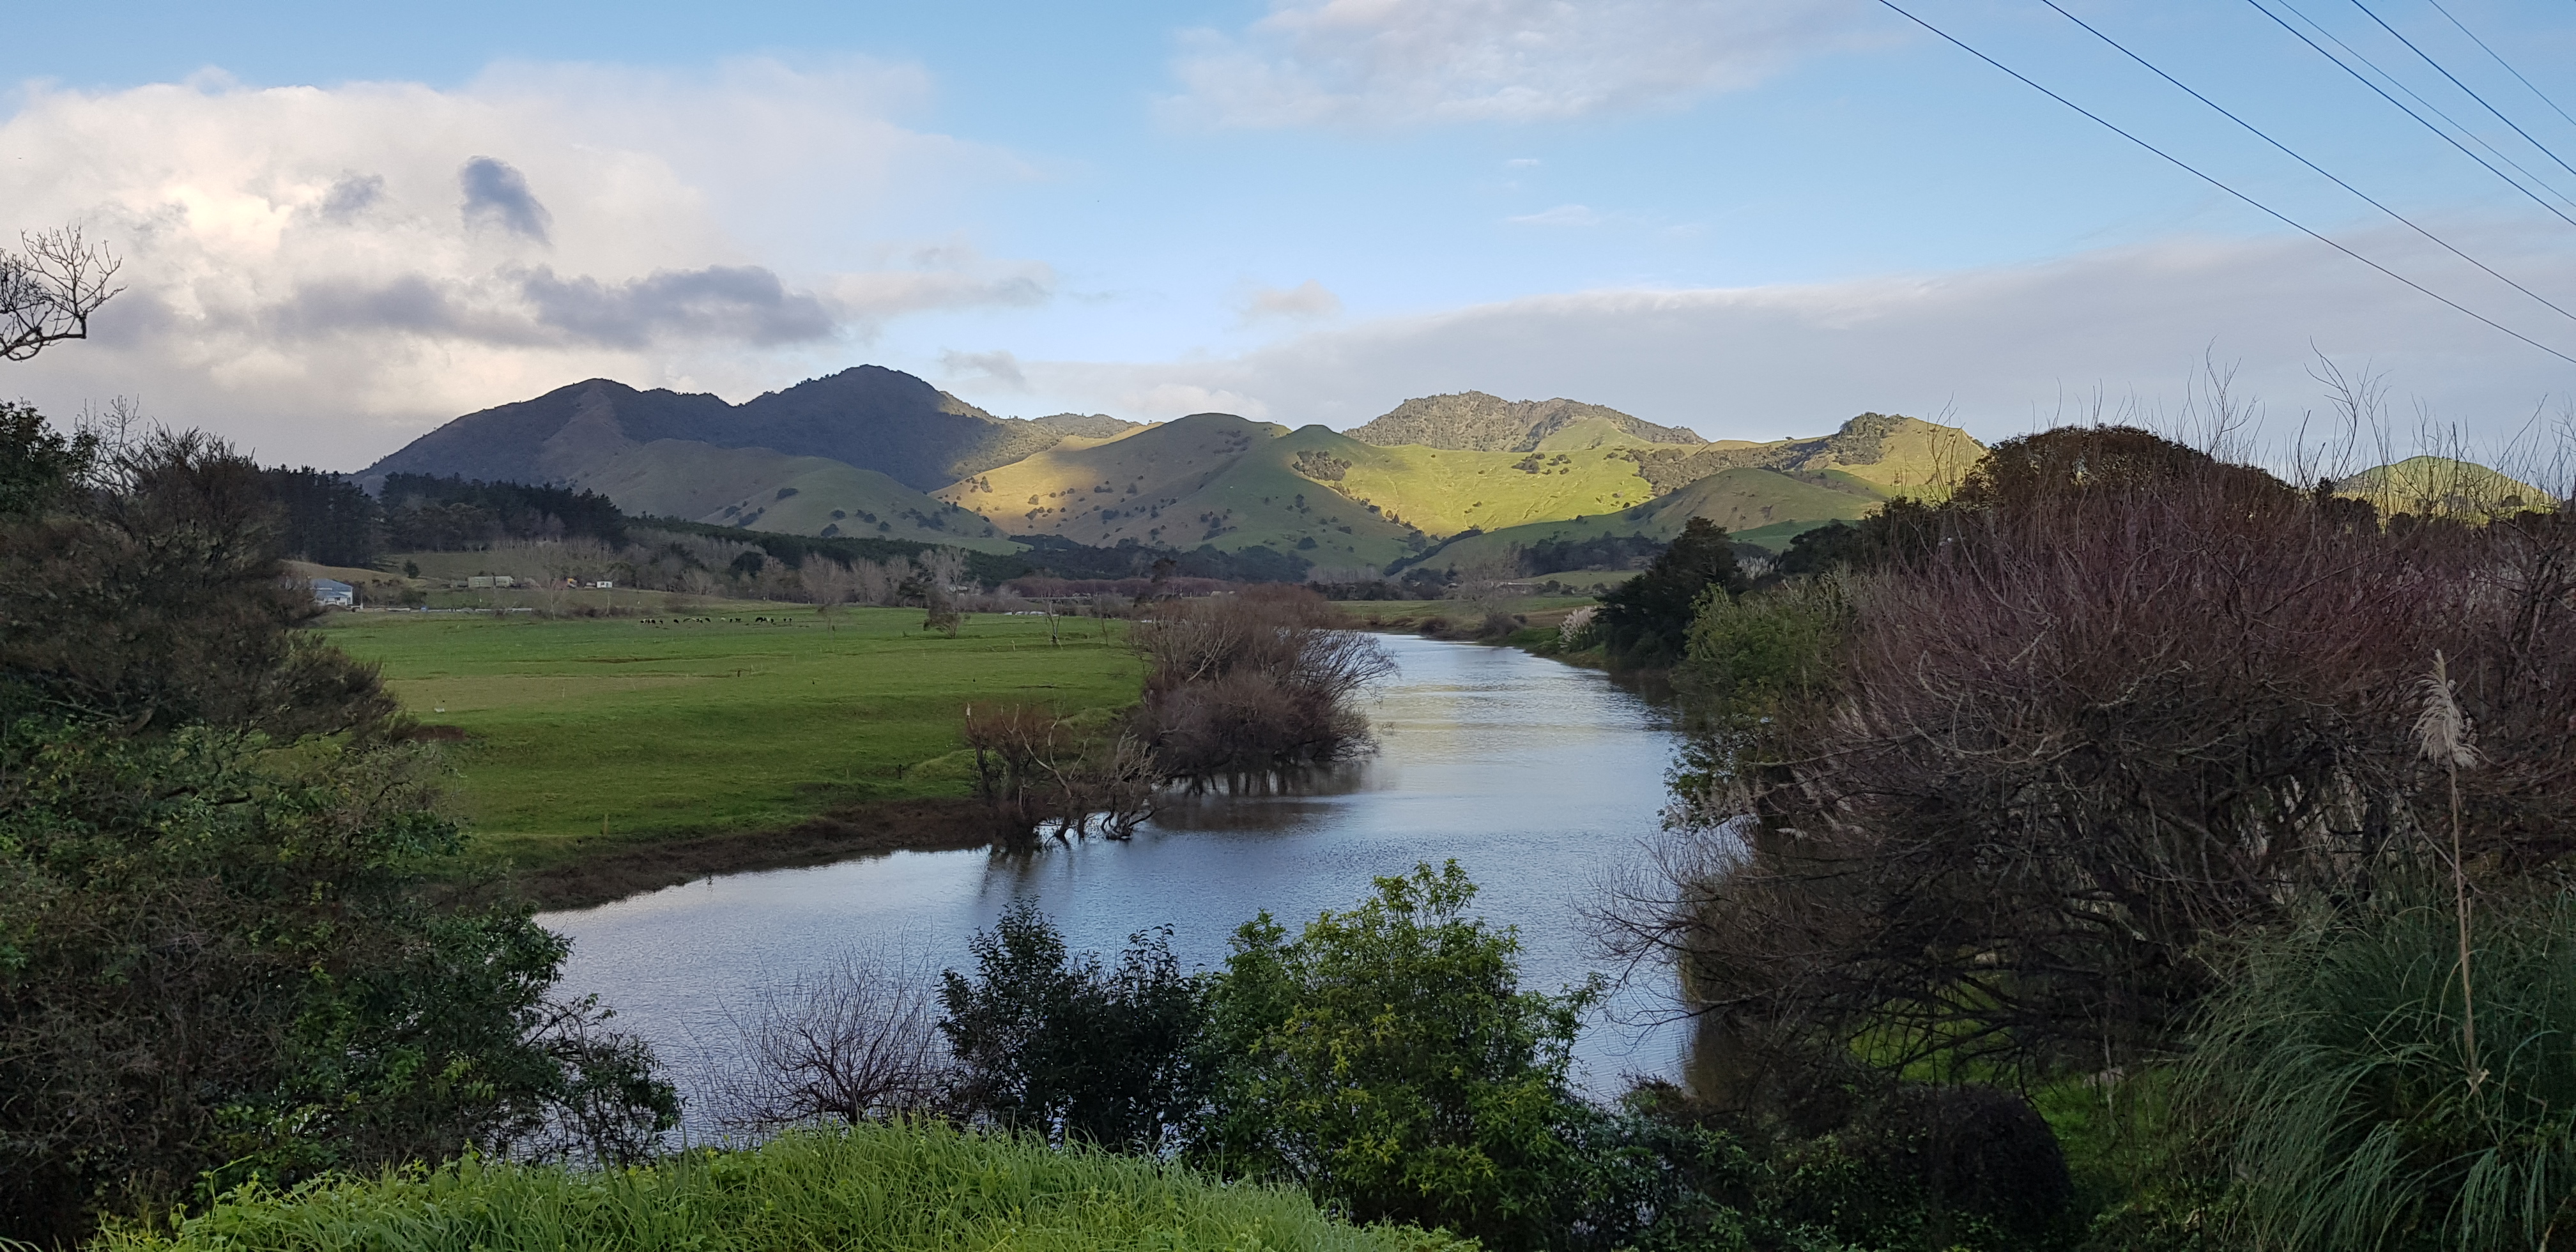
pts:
pixel 2258 133
pixel 2473 94
pixel 2259 7
pixel 2499 59
pixel 2418 97
pixel 2187 168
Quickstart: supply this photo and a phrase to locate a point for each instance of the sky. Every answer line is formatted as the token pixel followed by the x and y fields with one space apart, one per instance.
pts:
pixel 342 225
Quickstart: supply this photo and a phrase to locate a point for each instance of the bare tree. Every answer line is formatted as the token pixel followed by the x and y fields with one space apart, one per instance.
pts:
pixel 856 1040
pixel 49 289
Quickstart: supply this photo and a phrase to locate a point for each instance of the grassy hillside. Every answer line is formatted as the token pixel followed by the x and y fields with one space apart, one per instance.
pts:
pixel 1758 505
pixel 1210 478
pixel 800 495
pixel 879 1187
pixel 1895 455
pixel 2438 486
pixel 1214 478
pixel 1444 492
pixel 1474 421
pixel 586 733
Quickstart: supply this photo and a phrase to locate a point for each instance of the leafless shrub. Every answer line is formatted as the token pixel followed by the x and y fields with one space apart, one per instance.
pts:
pixel 1254 683
pixel 1047 775
pixel 856 1040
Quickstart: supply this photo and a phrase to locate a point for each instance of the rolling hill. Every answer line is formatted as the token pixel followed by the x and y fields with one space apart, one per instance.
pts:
pixel 870 451
pixel 1758 506
pixel 1472 421
pixel 1214 478
pixel 2438 486
pixel 1209 478
pixel 696 456
pixel 795 495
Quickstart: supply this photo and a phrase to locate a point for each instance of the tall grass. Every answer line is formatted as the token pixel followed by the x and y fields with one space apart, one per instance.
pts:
pixel 878 1186
pixel 2331 1073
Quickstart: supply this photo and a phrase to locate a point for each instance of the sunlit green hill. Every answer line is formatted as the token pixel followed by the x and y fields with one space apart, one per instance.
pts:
pixel 1762 506
pixel 1209 478
pixel 2439 486
pixel 871 451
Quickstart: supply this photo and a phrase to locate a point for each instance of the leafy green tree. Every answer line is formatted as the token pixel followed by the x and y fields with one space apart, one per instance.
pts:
pixel 1388 1060
pixel 1645 622
pixel 219 957
pixel 1061 1045
pixel 217 963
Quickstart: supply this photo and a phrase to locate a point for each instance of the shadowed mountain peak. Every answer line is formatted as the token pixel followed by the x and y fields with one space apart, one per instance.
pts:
pixel 867 416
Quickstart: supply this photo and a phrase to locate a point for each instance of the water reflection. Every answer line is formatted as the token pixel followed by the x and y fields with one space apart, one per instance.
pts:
pixel 1539 779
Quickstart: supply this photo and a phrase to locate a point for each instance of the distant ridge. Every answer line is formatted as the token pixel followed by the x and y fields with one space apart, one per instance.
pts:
pixel 867 416
pixel 849 453
pixel 1473 421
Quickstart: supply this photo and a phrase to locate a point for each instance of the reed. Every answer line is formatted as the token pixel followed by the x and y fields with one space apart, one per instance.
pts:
pixel 2330 1076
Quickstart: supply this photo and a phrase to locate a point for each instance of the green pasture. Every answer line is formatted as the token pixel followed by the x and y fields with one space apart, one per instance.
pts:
pixel 749 717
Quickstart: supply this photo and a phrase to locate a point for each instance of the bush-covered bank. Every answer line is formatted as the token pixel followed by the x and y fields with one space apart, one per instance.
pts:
pixel 220 957
pixel 888 1186
pixel 2192 803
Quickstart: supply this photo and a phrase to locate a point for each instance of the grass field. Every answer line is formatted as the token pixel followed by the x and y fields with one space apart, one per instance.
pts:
pixel 872 1186
pixel 761 717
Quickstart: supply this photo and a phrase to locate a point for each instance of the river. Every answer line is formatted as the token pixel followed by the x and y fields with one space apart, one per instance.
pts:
pixel 1540 779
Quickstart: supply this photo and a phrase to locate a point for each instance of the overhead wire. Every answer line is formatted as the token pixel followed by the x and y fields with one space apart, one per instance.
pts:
pixel 2188 168
pixel 2455 81
pixel 2285 150
pixel 2364 80
pixel 2418 97
pixel 2499 59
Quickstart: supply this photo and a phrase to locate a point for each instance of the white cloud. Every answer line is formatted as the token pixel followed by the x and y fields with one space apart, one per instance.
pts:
pixel 2003 350
pixel 320 273
pixel 1370 63
pixel 1307 301
pixel 1561 215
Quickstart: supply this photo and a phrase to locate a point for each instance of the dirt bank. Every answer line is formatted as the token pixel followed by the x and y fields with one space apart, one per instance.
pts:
pixel 860 830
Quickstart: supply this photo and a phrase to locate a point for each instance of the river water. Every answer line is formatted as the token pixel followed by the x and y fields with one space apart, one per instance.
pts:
pixel 1543 781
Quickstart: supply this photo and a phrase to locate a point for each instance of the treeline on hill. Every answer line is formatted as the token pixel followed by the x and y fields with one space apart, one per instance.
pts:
pixel 219 960
pixel 2226 822
pixel 331 521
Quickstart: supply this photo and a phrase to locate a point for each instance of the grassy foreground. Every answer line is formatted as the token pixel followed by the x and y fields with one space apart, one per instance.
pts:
pixel 878 1187
pixel 586 734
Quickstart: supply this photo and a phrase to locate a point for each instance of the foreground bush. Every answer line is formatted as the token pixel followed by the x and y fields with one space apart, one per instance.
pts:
pixel 220 958
pixel 875 1186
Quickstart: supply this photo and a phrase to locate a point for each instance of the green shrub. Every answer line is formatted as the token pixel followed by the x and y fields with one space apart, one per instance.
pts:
pixel 1388 1060
pixel 2332 1076
pixel 1071 1049
pixel 882 1187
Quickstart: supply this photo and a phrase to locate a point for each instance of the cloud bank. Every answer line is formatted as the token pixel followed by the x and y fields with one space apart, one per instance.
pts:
pixel 322 272
pixel 1387 63
pixel 2002 350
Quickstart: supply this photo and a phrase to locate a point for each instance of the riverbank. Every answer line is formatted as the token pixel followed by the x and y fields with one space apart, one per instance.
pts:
pixel 597 757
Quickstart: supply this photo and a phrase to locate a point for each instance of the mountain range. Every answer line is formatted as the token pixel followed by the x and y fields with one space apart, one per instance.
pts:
pixel 873 451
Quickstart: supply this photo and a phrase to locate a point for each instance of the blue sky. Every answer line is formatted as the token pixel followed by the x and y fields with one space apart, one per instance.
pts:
pixel 1753 217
